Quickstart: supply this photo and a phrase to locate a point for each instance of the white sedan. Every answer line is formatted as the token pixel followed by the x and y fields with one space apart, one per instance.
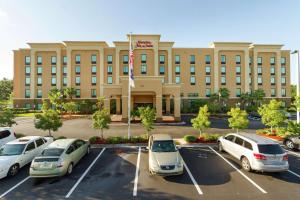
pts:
pixel 20 152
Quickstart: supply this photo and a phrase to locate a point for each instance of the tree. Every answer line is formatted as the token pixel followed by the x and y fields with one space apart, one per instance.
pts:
pixel 56 98
pixel 101 119
pixel 69 92
pixel 202 120
pixel 271 114
pixel 70 107
pixel 246 99
pixel 49 121
pixel 258 96
pixel 147 115
pixel 7 118
pixel 223 95
pixel 100 103
pixel 293 91
pixel 6 88
pixel 238 119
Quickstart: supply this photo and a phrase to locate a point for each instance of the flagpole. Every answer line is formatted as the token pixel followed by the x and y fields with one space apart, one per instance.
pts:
pixel 129 89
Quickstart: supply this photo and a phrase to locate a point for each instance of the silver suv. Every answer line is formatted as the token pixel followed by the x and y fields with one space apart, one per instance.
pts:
pixel 292 142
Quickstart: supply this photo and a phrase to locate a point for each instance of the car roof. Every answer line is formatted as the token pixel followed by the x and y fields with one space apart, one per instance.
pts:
pixel 24 140
pixel 61 143
pixel 161 137
pixel 5 128
pixel 255 138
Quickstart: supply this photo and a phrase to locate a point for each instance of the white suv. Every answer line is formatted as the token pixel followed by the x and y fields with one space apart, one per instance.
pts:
pixel 6 135
pixel 255 152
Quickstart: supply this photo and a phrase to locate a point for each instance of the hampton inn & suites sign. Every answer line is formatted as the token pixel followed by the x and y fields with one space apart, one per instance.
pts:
pixel 143 44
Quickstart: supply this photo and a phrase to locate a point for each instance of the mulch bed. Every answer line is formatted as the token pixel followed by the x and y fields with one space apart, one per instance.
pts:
pixel 275 137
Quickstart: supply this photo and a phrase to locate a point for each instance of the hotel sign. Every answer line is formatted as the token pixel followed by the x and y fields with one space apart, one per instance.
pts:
pixel 144 44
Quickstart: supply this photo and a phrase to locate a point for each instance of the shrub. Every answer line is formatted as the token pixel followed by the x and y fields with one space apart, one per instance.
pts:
pixel 114 140
pixel 190 138
pixel 211 137
pixel 94 139
pixel 60 137
pixel 19 135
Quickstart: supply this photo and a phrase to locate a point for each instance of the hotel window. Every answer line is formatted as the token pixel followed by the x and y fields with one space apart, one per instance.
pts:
pixel 223 80
pixel 238 69
pixel 143 58
pixel 125 59
pixel 177 59
pixel 177 69
pixel 238 80
pixel 109 59
pixel 192 80
pixel 207 80
pixel 207 92
pixel 27 70
pixel 27 105
pixel 223 59
pixel 77 59
pixel 272 60
pixel 39 81
pixel 39 106
pixel 161 59
pixel 39 60
pixel 283 60
pixel 27 60
pixel 125 69
pixel 192 69
pixel 272 70
pixel 109 69
pixel 53 70
pixel 39 94
pixel 272 80
pixel 250 60
pixel 143 68
pixel 177 79
pixel 283 92
pixel 250 70
pixel 77 80
pixel 283 81
pixel 282 69
pixel 93 59
pixel 53 81
pixel 207 59
pixel 250 81
pixel 94 69
pixel 238 92
pixel 27 93
pixel 259 60
pixel 27 81
pixel 192 59
pixel 77 69
pixel 94 80
pixel 259 80
pixel 259 70
pixel 162 70
pixel 65 70
pixel 65 81
pixel 207 70
pixel 65 60
pixel 273 92
pixel 53 60
pixel 77 93
pixel 109 80
pixel 93 93
pixel 223 69
pixel 238 59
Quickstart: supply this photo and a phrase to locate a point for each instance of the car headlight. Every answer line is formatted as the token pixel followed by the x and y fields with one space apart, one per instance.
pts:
pixel 179 164
pixel 154 164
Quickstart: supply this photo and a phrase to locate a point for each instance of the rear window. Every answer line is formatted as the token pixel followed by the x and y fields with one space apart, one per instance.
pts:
pixel 4 134
pixel 52 152
pixel 270 149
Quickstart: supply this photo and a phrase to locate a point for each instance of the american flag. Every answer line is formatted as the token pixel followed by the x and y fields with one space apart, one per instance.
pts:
pixel 131 57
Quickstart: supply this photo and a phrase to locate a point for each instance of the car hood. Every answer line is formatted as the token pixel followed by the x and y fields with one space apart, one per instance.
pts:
pixel 7 160
pixel 166 158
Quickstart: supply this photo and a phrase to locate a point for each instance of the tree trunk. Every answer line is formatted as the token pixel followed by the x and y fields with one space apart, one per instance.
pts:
pixel 200 133
pixel 271 129
pixel 237 131
pixel 50 133
pixel 102 134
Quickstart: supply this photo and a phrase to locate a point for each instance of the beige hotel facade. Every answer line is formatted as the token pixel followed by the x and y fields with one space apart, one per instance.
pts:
pixel 164 75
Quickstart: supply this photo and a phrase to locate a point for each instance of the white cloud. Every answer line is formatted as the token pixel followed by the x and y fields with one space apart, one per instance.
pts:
pixel 3 13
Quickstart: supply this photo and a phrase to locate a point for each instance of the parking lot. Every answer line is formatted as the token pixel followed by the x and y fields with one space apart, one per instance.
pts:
pixel 122 173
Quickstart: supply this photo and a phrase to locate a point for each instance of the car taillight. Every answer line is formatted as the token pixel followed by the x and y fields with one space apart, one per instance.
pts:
pixel 258 156
pixel 285 157
pixel 15 134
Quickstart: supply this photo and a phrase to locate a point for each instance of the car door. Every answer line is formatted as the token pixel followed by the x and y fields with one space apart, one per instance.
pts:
pixel 40 145
pixel 237 147
pixel 71 153
pixel 80 149
pixel 29 153
pixel 227 143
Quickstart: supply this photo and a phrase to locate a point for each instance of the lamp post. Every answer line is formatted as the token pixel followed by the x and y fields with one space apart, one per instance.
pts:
pixel 298 79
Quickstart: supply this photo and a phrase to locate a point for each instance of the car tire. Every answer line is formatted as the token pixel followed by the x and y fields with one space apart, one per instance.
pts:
pixel 70 169
pixel 290 144
pixel 245 164
pixel 220 148
pixel 13 170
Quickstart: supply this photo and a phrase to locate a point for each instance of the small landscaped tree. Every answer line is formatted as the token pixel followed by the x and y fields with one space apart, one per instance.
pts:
pixel 70 107
pixel 258 96
pixel 69 92
pixel 7 118
pixel 201 122
pixel 101 119
pixel 147 116
pixel 56 98
pixel 223 95
pixel 49 121
pixel 271 114
pixel 238 119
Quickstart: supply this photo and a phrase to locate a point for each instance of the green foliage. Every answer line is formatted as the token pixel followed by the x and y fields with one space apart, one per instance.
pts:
pixel 238 119
pixel 94 139
pixel 56 98
pixel 147 115
pixel 271 114
pixel 60 138
pixel 100 103
pixel 69 92
pixel 215 108
pixel 134 113
pixel 7 118
pixel 257 96
pixel 208 137
pixel 6 89
pixel 293 91
pixel 190 138
pixel 202 120
pixel 85 107
pixel 118 140
pixel 49 121
pixel 293 128
pixel 101 119
pixel 19 135
pixel 223 94
pixel 70 107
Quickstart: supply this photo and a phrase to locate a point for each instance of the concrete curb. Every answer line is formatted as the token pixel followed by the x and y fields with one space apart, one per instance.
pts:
pixel 131 145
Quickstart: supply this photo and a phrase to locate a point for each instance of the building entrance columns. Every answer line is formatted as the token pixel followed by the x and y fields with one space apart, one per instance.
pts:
pixel 168 104
pixel 158 107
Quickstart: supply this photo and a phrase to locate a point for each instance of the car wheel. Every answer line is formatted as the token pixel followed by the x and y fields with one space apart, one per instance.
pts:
pixel 13 170
pixel 220 148
pixel 246 164
pixel 70 169
pixel 290 144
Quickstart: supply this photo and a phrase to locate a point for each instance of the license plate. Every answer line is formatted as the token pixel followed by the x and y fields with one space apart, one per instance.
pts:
pixel 45 165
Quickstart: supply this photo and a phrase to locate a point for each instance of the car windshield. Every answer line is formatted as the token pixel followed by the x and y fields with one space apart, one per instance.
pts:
pixel 52 152
pixel 270 149
pixel 163 146
pixel 12 149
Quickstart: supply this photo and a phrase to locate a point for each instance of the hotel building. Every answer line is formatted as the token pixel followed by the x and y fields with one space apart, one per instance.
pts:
pixel 164 75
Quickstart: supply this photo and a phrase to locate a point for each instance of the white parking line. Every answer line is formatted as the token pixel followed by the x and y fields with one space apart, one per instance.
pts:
pixel 239 171
pixel 294 173
pixel 136 179
pixel 14 187
pixel 84 174
pixel 192 178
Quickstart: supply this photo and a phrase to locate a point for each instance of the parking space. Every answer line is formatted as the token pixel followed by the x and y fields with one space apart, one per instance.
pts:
pixel 122 173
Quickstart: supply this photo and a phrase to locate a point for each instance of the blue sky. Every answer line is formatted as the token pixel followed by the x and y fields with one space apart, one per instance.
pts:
pixel 190 23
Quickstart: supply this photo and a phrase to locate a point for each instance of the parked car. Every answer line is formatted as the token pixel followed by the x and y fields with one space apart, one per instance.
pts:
pixel 6 135
pixel 59 158
pixel 292 142
pixel 20 152
pixel 255 152
pixel 164 157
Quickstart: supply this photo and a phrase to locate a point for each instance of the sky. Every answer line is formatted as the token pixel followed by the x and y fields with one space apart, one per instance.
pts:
pixel 189 23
